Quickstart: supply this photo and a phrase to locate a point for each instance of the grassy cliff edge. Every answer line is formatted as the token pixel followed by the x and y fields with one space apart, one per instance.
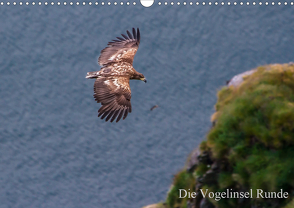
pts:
pixel 250 147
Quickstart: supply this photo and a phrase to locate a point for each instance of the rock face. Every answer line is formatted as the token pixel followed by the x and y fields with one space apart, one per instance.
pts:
pixel 238 79
pixel 249 147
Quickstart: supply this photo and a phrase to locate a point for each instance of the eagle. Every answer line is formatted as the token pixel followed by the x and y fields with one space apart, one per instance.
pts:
pixel 111 87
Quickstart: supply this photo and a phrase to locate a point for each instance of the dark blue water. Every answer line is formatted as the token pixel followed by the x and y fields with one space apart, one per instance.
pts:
pixel 56 153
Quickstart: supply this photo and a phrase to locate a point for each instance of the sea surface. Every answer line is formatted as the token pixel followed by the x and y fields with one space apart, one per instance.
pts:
pixel 54 150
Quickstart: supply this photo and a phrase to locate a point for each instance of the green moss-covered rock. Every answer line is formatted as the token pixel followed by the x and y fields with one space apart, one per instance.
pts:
pixel 183 180
pixel 250 146
pixel 254 135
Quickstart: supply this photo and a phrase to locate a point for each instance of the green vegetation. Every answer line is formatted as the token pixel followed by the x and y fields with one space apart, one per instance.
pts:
pixel 250 146
pixel 183 180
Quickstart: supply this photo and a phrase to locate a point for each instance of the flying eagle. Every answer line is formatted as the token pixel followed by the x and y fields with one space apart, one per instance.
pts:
pixel 112 88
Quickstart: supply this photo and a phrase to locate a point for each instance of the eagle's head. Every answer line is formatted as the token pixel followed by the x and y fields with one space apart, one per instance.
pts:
pixel 139 76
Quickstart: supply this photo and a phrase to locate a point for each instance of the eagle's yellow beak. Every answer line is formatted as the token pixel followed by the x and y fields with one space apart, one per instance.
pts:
pixel 143 79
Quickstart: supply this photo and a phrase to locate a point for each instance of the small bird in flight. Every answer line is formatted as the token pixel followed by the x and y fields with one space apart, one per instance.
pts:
pixel 155 106
pixel 112 88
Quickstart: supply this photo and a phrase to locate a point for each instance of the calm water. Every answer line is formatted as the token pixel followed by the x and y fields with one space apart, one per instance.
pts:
pixel 56 153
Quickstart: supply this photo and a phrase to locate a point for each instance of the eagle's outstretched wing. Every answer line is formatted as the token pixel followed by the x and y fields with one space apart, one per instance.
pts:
pixel 122 49
pixel 115 96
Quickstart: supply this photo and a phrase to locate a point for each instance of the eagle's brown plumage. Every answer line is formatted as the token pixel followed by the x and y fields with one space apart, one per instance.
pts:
pixel 111 87
pixel 121 50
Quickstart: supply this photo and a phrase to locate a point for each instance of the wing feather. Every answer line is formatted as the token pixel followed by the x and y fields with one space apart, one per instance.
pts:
pixel 115 96
pixel 122 49
pixel 115 115
pixel 126 37
pixel 105 114
pixel 120 115
pixel 126 114
pixel 130 35
pixel 110 115
pixel 134 33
